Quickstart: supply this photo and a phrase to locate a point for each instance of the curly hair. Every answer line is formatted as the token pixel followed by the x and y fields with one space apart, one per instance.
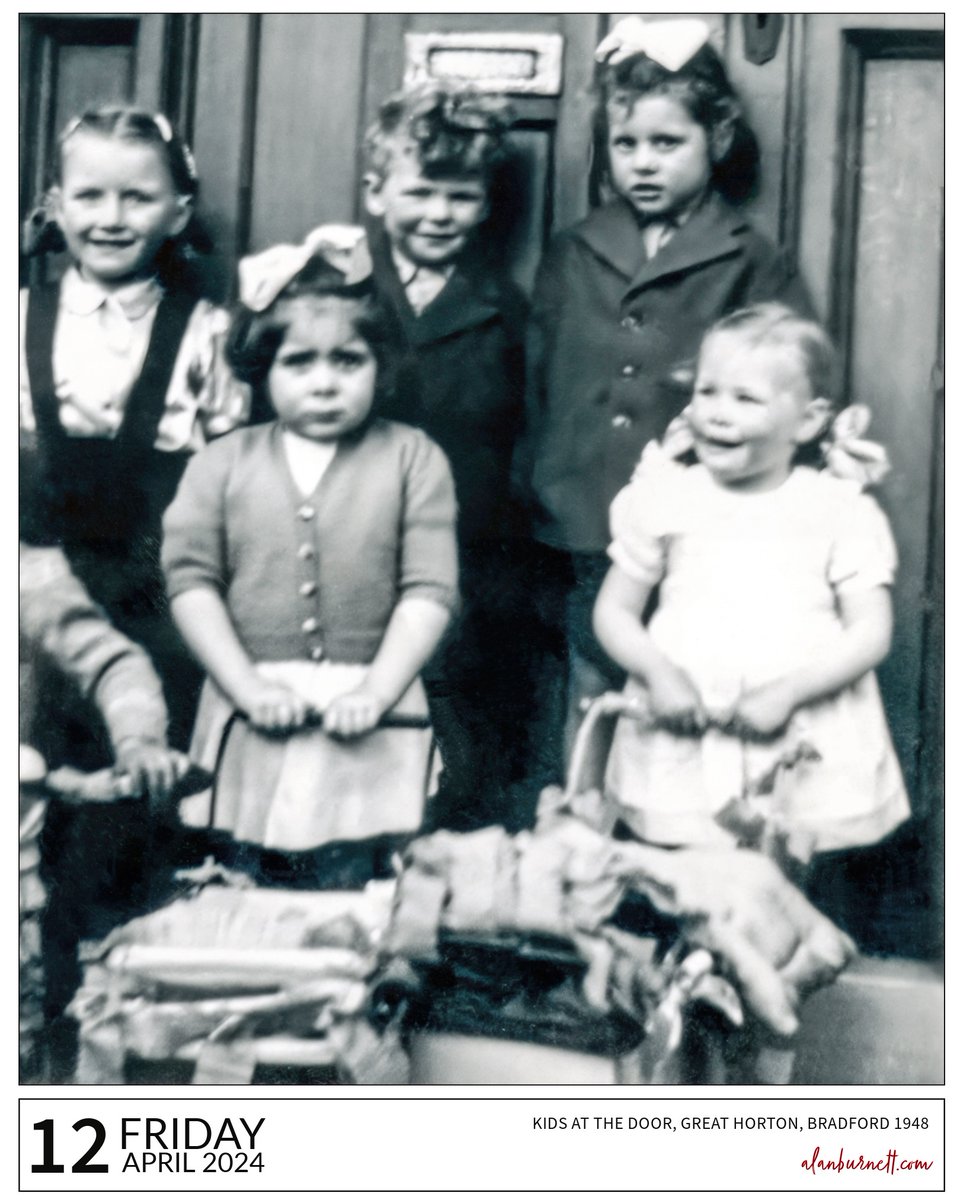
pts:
pixel 702 87
pixel 454 131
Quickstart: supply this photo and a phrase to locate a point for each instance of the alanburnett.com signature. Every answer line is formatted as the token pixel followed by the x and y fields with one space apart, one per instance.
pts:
pixel 891 1163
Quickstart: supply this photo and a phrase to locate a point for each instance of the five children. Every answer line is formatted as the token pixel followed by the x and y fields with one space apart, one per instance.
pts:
pixel 311 562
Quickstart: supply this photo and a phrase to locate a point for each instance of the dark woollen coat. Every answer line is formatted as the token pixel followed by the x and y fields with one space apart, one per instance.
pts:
pixel 613 337
pixel 462 382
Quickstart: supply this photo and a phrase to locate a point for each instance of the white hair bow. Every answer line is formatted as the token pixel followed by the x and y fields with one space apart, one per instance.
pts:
pixel 264 276
pixel 848 454
pixel 669 43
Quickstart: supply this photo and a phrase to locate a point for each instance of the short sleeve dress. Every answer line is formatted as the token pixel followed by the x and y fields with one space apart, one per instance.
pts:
pixel 748 591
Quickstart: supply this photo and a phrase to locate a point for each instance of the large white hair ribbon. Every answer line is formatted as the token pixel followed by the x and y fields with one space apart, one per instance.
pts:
pixel 849 454
pixel 670 43
pixel 264 276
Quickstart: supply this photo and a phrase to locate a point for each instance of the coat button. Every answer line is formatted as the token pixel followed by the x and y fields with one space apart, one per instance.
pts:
pixel 629 371
pixel 306 512
pixel 633 321
pixel 308 588
pixel 305 551
pixel 316 653
pixel 622 421
pixel 310 625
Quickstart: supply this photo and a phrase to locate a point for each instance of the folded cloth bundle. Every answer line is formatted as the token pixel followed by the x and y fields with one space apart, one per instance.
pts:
pixel 233 972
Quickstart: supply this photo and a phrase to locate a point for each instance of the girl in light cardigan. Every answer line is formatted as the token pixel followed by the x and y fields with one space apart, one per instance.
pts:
pixel 311 566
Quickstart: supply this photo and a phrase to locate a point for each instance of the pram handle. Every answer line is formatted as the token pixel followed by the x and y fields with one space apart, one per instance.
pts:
pixel 314 720
pixel 603 708
pixel 108 787
pixel 389 720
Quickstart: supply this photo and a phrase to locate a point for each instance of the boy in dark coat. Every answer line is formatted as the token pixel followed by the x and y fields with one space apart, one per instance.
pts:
pixel 429 161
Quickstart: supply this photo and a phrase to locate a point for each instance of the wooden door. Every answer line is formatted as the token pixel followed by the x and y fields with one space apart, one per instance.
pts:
pixel 878 269
pixel 871 247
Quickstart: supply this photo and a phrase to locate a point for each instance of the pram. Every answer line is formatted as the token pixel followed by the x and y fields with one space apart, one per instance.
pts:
pixel 229 983
pixel 429 978
pixel 237 983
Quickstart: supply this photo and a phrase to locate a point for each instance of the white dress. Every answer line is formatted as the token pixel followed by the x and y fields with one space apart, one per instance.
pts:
pixel 749 588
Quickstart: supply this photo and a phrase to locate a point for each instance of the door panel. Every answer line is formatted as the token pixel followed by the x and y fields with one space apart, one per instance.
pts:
pixel 871 249
pixel 893 340
pixel 221 143
pixel 307 124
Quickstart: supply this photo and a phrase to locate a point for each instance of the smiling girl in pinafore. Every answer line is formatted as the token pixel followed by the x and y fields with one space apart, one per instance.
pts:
pixel 122 372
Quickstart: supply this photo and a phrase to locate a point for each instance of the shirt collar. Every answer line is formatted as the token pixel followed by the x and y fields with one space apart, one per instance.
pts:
pixel 83 297
pixel 408 271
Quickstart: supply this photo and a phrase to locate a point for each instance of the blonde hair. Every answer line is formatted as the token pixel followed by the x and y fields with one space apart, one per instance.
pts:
pixel 776 324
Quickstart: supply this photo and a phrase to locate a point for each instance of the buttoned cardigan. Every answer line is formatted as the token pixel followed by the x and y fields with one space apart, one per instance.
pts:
pixel 612 340
pixel 314 577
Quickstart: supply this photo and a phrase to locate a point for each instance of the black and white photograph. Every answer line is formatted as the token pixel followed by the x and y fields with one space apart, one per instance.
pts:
pixel 481 562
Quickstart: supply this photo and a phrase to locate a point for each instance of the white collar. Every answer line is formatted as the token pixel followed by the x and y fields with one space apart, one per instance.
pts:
pixel 82 297
pixel 409 271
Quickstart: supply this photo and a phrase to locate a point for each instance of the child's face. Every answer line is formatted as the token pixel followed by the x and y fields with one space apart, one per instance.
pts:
pixel 323 376
pixel 116 205
pixel 752 406
pixel 428 220
pixel 659 156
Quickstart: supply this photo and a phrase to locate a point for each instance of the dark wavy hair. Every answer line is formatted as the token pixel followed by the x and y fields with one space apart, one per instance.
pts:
pixel 455 131
pixel 255 337
pixel 175 262
pixel 702 87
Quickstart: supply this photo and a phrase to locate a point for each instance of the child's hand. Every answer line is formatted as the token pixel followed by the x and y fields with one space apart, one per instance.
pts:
pixel 273 708
pixel 675 701
pixel 152 768
pixel 353 713
pixel 763 712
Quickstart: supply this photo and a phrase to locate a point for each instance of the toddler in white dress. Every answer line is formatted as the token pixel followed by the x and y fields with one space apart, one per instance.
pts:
pixel 754 678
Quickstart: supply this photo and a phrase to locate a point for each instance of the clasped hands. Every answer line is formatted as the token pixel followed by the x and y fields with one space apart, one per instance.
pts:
pixel 273 707
pixel 757 714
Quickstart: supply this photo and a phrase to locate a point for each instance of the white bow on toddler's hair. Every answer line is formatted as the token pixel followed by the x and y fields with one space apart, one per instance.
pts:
pixel 670 43
pixel 264 276
pixel 848 454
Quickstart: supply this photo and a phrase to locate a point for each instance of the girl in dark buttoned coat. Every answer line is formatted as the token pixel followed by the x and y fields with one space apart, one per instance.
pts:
pixel 312 568
pixel 623 299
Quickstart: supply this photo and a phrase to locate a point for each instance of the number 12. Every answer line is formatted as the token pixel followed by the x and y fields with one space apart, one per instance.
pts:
pixel 83 1164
